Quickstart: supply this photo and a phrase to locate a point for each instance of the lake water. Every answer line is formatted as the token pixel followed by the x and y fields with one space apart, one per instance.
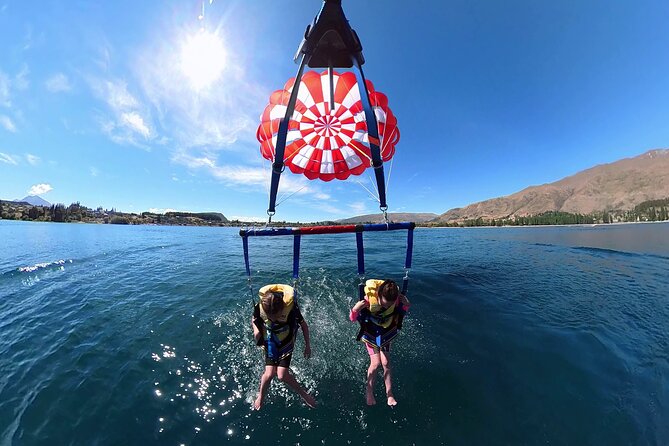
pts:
pixel 139 335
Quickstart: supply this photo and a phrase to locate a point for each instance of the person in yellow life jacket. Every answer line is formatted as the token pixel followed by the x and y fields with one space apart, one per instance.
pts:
pixel 276 320
pixel 380 315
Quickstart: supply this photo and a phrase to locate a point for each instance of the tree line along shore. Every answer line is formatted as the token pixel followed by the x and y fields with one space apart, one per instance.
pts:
pixel 653 210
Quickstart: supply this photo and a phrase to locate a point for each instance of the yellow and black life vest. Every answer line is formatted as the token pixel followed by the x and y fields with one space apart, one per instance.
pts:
pixel 279 333
pixel 378 314
pixel 378 325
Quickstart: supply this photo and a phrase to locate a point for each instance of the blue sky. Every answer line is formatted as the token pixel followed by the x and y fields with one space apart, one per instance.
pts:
pixel 97 104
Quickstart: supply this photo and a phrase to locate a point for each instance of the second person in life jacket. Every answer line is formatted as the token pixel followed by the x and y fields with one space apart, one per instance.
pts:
pixel 380 315
pixel 275 322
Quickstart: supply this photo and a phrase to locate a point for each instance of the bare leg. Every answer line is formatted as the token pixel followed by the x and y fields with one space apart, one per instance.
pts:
pixel 284 375
pixel 387 378
pixel 371 377
pixel 265 379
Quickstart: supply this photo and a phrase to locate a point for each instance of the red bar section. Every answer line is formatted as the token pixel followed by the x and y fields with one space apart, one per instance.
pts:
pixel 327 229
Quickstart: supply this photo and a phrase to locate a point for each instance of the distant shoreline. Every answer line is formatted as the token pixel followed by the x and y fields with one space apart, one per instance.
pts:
pixel 304 224
pixel 654 211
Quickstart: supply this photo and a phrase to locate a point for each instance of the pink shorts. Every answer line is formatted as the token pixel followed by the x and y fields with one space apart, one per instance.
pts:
pixel 375 350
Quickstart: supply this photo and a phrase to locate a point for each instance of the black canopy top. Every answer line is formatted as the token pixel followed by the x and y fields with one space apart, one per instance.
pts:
pixel 329 40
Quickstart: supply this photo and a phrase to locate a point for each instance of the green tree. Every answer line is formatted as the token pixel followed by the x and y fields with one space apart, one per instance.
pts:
pixel 33 213
pixel 58 212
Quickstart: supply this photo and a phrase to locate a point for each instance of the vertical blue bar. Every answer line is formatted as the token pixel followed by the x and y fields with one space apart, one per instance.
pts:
pixel 407 262
pixel 361 263
pixel 405 285
pixel 245 243
pixel 361 253
pixel 296 256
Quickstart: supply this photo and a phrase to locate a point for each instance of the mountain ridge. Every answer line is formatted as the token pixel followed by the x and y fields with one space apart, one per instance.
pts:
pixel 619 185
pixel 34 200
pixel 417 217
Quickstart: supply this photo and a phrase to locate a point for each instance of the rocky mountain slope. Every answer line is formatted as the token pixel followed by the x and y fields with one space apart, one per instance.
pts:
pixel 620 185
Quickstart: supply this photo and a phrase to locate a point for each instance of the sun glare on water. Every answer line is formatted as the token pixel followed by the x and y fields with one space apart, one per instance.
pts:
pixel 202 59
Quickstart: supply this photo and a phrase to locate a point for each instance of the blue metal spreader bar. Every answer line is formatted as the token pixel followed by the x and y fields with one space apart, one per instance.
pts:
pixel 264 232
pixel 297 233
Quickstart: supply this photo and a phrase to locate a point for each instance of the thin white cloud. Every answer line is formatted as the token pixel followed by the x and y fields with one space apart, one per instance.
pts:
pixel 331 209
pixel 135 122
pixel 58 83
pixel 39 189
pixel 8 159
pixel 7 123
pixel 256 178
pixel 163 211
pixel 94 171
pixel 33 160
pixel 129 121
pixel 117 95
pixel 348 210
pixel 5 84
pixel 21 79
pixel 358 207
pixel 28 38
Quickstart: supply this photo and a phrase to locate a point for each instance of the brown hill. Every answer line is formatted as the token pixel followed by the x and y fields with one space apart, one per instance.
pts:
pixel 620 185
pixel 393 216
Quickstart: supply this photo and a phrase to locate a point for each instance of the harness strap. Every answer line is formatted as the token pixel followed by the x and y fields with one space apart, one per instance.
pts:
pixel 373 134
pixel 279 151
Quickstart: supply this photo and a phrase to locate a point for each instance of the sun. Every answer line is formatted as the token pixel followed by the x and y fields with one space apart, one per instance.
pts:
pixel 203 58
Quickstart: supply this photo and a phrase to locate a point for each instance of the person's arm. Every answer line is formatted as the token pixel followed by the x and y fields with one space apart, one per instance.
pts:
pixel 403 308
pixel 404 302
pixel 307 342
pixel 355 311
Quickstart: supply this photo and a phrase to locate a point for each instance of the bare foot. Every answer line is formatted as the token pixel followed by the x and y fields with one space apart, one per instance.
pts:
pixel 391 401
pixel 309 400
pixel 370 398
pixel 257 404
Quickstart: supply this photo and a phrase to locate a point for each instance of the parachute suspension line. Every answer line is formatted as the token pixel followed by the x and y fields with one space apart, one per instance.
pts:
pixel 361 152
pixel 266 175
pixel 278 164
pixel 371 194
pixel 373 134
pixel 376 189
pixel 390 171
pixel 285 198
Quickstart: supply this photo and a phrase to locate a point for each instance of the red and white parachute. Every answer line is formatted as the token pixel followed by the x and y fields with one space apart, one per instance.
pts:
pixel 327 137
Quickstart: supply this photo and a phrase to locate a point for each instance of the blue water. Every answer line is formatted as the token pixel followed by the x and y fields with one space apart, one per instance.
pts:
pixel 123 335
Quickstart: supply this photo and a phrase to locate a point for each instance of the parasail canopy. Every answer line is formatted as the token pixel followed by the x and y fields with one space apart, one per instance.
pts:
pixel 327 133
